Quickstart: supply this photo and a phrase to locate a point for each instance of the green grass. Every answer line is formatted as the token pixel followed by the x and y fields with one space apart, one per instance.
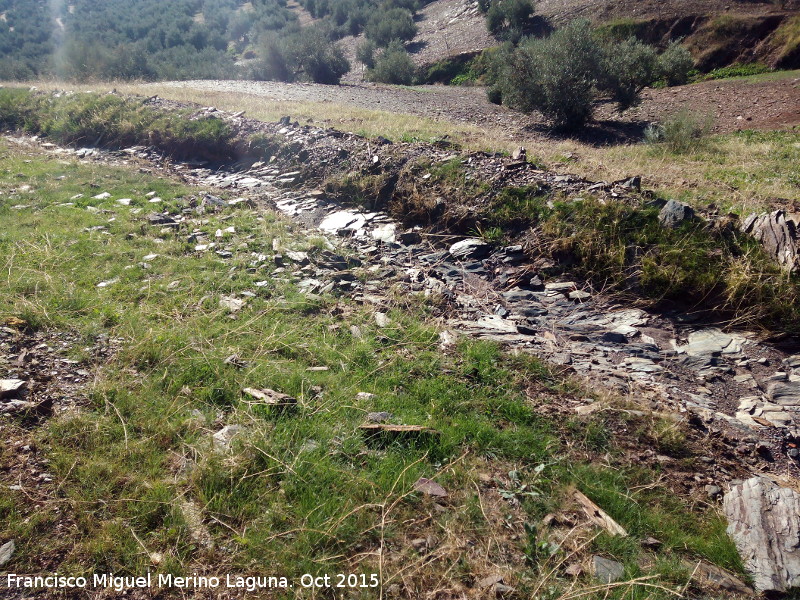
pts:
pixel 301 491
pixel 114 122
pixel 622 246
pixel 787 41
pixel 737 70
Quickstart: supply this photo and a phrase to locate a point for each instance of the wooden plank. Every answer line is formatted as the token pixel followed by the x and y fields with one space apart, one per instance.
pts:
pixel 598 516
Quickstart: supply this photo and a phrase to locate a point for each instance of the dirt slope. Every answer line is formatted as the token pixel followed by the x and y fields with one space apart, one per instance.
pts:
pixel 451 27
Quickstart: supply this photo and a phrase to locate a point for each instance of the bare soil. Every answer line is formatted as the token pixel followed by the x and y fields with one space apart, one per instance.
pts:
pixel 764 104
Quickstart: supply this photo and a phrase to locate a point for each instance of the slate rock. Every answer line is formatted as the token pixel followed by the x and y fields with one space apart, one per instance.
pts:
pixel 379 417
pixel 430 488
pixel 784 393
pixel 763 522
pixel 473 248
pixel 409 238
pixel 160 219
pixel 606 570
pixel 674 213
pixel 222 438
pixel 11 388
pixel 713 342
pixel 6 552
pixel 777 235
pixel 614 337
pixel 231 303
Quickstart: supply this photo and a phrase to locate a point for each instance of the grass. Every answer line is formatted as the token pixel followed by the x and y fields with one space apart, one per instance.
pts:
pixel 112 121
pixel 300 491
pixel 787 40
pixel 622 247
pixel 736 71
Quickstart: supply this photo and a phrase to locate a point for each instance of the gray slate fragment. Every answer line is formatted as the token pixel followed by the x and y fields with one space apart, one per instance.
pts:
pixel 763 522
pixel 778 236
pixel 6 552
pixel 10 388
pixel 785 393
pixel 606 570
pixel 470 248
pixel 223 438
pixel 674 213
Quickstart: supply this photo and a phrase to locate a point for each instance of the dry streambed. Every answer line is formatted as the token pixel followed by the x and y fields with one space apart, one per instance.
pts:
pixel 742 393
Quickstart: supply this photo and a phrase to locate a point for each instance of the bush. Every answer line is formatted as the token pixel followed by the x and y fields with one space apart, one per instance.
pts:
pixel 389 25
pixel 555 75
pixel 737 70
pixel 680 133
pixel 561 75
pixel 274 64
pixel 627 68
pixel 308 54
pixel 394 65
pixel 506 19
pixel 365 54
pixel 494 94
pixel 674 64
pixel 316 58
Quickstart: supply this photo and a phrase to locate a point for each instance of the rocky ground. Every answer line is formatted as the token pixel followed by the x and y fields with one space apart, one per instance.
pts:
pixel 740 393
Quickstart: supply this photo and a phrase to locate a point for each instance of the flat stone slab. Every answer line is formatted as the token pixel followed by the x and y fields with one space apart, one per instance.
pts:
pixel 784 393
pixel 712 342
pixel 607 570
pixel 10 388
pixel 342 219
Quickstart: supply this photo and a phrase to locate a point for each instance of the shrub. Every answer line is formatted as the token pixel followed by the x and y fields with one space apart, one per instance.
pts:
pixel 506 19
pixel 555 75
pixel 494 94
pixel 365 54
pixel 681 132
pixel 394 65
pixel 274 64
pixel 627 68
pixel 737 70
pixel 560 75
pixel 674 64
pixel 389 25
pixel 316 57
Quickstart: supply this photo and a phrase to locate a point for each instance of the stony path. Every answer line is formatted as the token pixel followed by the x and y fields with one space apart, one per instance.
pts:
pixel 743 393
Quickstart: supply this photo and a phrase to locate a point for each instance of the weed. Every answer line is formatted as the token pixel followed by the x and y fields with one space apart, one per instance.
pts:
pixel 737 70
pixel 680 133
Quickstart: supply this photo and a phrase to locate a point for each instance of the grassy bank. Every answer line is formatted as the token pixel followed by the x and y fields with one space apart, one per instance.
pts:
pixel 111 121
pixel 301 490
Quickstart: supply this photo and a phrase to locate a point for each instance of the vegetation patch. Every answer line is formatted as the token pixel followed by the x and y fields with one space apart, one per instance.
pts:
pixel 140 484
pixel 115 122
pixel 737 70
pixel 786 40
pixel 561 75
pixel 623 247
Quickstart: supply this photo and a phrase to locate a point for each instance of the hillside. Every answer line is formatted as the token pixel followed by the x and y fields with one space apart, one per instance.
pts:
pixel 222 38
pixel 719 33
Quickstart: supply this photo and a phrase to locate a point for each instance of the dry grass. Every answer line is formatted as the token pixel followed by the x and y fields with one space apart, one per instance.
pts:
pixel 733 172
